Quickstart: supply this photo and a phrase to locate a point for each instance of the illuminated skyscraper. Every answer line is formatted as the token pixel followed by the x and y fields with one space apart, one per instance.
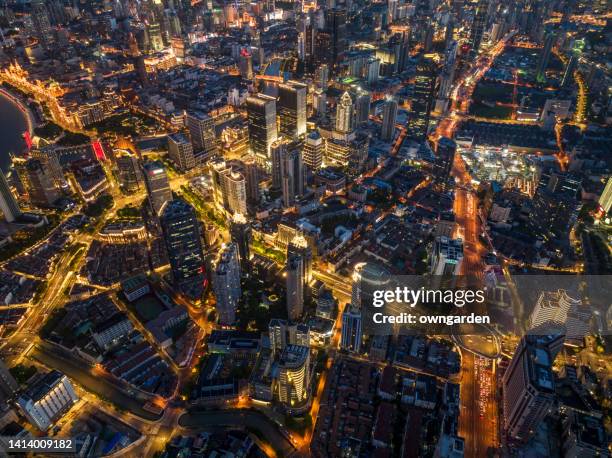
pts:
pixel 299 246
pixel 422 100
pixel 314 149
pixel 447 256
pixel 292 176
pixel 478 26
pixel 8 203
pixel 568 75
pixel 294 281
pixel 388 122
pixel 351 329
pixel 344 114
pixel 181 232
pixel 240 233
pixel 180 152
pixel 283 333
pixel 367 278
pixel 261 110
pixel 544 59
pixel 252 176
pixel 330 42
pixel 362 107
pixel 605 200
pixel 42 25
pixel 229 188
pixel 245 64
pixel 130 174
pixel 41 187
pixel 154 33
pixel 445 155
pixel 294 376
pixel 528 388
pixel 226 284
pixel 158 187
pixel 202 132
pixel 292 108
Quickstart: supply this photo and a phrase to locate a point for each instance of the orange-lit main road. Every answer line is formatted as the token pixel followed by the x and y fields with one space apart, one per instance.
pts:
pixel 478 417
pixel 339 288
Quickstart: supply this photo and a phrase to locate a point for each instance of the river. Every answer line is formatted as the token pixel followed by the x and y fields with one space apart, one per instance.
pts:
pixel 13 124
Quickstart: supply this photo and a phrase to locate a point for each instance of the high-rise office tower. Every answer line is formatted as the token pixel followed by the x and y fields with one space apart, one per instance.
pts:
pixel 41 23
pixel 41 187
pixel 294 376
pixel 345 153
pixel 277 151
pixel 559 310
pixel 277 330
pixel 344 114
pixel 261 110
pixel 283 333
pixel 252 175
pixel 226 284
pixel 362 107
pixel 130 174
pixel 245 64
pixel 446 79
pixel 555 205
pixel 373 70
pixel 605 200
pixel 154 33
pixel 446 257
pixel 388 122
pixel 528 387
pixel 294 271
pixel 292 108
pixel 240 233
pixel 568 75
pixel 218 170
pixel 351 329
pixel 292 176
pixel 544 59
pixel 229 188
pixel 8 203
pixel 330 42
pixel 300 26
pixel 50 160
pixel 157 184
pixel 299 246
pixel 322 49
pixel 423 95
pixel 181 231
pixel 445 155
pixel 181 152
pixel 235 187
pixel 478 26
pixel 314 149
pixel 322 76
pixel 367 278
pixel 335 22
pixel 319 102
pixel 202 133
